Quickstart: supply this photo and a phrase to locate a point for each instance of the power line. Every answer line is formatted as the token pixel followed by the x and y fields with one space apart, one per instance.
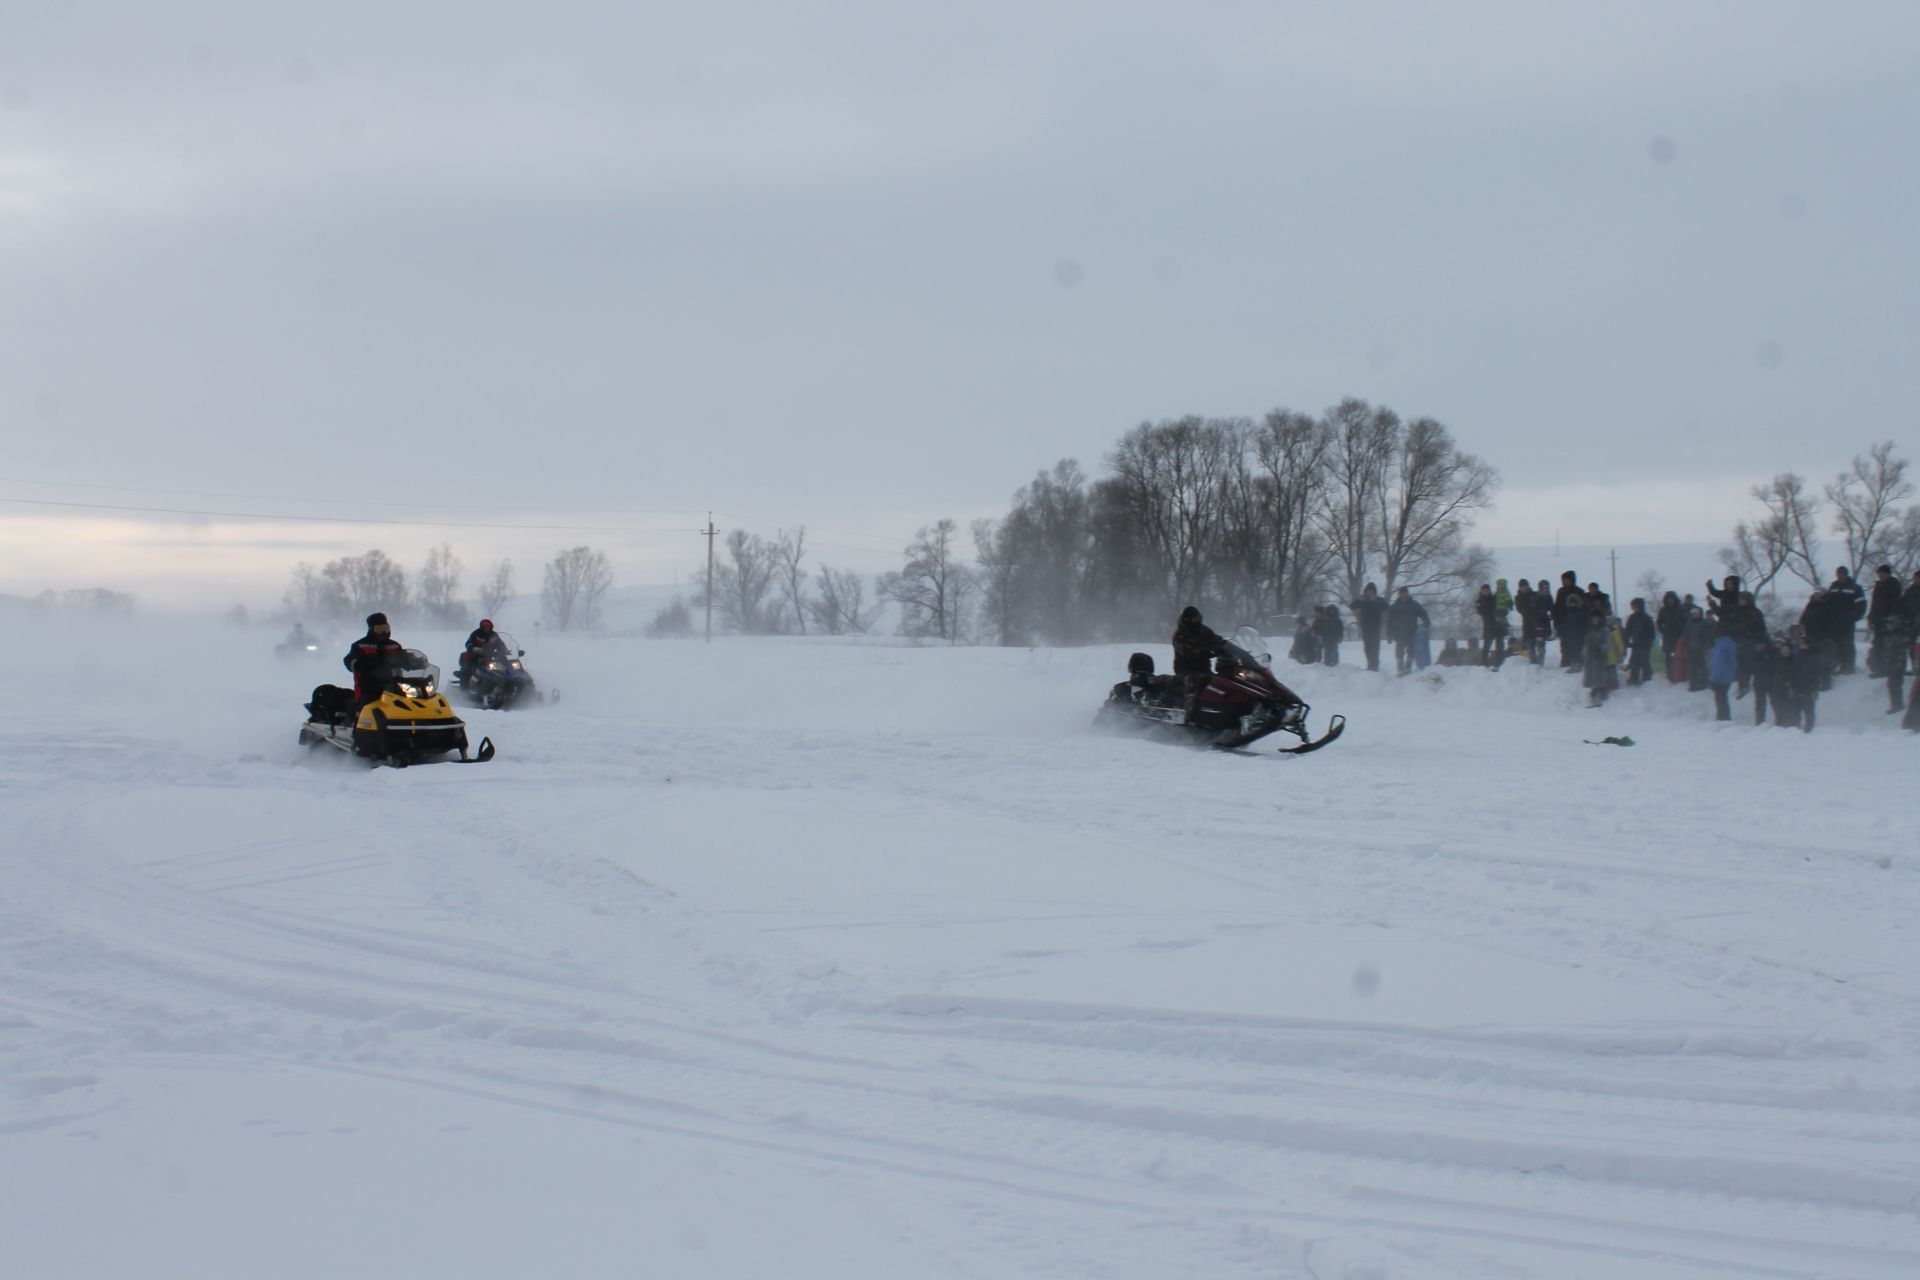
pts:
pixel 260 515
pixel 880 542
pixel 347 502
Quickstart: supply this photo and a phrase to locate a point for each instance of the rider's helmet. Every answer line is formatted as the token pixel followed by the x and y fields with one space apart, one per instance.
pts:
pixel 486 624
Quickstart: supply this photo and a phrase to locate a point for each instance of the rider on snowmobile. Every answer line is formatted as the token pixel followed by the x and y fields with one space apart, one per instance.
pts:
pixel 479 640
pixel 1195 646
pixel 298 638
pixel 369 656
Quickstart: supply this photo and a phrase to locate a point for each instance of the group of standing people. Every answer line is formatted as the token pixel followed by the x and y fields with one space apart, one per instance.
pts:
pixel 1404 622
pixel 1723 645
pixel 1728 645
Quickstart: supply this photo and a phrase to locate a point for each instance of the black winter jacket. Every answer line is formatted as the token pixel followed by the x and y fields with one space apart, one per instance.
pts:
pixel 1195 645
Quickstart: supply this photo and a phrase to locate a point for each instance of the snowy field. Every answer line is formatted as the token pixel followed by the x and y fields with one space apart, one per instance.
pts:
pixel 808 959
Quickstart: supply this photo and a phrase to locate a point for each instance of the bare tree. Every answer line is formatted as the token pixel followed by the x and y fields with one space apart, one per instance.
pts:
pixel 789 549
pixel 575 581
pixel 1360 453
pixel 1781 539
pixel 674 622
pixel 1902 549
pixel 365 583
pixel 1168 476
pixel 498 587
pixel 1865 501
pixel 932 587
pixel 1650 586
pixel 1756 555
pixel 1426 505
pixel 436 589
pixel 1290 449
pixel 840 604
pixel 313 595
pixel 742 583
pixel 1001 603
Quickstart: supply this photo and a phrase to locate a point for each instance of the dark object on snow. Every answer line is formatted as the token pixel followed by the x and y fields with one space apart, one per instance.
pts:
pixel 1621 741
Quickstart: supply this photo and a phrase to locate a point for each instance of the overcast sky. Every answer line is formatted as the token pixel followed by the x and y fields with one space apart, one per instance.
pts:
pixel 862 265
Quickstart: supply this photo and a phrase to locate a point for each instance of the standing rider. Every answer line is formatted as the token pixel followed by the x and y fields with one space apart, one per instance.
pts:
pixel 369 656
pixel 1195 645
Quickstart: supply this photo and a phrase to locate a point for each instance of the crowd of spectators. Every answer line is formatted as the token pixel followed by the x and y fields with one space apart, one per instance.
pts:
pixel 1724 645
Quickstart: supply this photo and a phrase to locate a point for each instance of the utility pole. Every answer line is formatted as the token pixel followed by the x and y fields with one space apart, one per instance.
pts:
pixel 709 531
pixel 1613 569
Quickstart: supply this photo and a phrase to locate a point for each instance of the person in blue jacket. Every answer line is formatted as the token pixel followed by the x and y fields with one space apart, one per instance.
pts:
pixel 1723 668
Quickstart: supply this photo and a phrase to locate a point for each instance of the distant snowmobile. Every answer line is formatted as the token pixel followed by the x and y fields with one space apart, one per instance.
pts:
pixel 408 723
pixel 497 679
pixel 1241 703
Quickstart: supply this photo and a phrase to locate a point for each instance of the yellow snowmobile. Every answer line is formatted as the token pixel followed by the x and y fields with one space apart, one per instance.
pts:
pixel 410 722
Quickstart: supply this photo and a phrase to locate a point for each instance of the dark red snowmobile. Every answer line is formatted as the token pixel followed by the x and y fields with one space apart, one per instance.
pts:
pixel 1242 702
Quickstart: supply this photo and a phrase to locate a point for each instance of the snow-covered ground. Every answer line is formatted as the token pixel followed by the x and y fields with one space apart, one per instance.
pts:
pixel 808 959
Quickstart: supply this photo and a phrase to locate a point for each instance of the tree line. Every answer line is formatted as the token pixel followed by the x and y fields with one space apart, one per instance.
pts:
pixel 573 585
pixel 1246 518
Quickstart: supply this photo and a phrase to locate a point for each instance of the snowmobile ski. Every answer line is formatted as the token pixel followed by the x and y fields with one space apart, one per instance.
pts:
pixel 1336 725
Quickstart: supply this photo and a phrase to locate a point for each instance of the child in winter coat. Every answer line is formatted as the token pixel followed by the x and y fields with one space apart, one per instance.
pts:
pixel 1332 632
pixel 1599 673
pixel 1806 671
pixel 1697 648
pixel 1306 643
pixel 1723 668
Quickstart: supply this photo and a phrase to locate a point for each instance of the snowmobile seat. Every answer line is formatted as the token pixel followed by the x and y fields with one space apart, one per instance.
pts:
pixel 331 705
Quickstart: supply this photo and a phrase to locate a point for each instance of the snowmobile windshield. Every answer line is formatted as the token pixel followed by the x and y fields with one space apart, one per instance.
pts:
pixel 1249 640
pixel 501 653
pixel 412 675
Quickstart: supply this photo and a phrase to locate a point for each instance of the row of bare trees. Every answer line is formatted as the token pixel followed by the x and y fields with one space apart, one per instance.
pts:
pixel 341 590
pixel 1867 506
pixel 763 586
pixel 1245 518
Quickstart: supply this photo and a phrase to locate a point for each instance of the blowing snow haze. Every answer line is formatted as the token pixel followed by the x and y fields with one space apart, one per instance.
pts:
pixel 582 274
